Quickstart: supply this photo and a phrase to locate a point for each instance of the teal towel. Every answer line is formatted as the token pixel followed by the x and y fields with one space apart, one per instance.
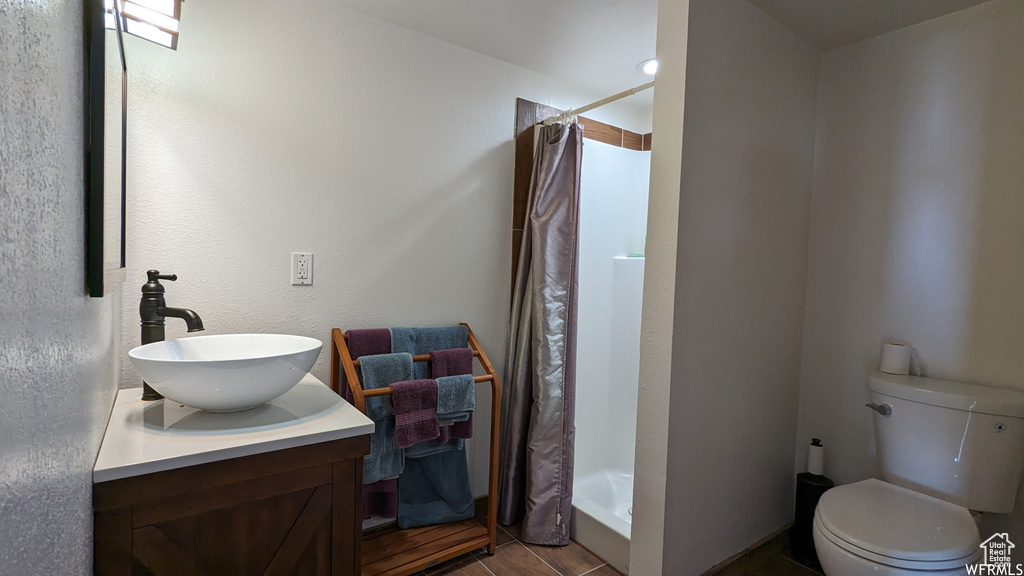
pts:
pixel 381 371
pixel 456 397
pixel 386 459
pixel 431 447
pixel 435 490
pixel 425 340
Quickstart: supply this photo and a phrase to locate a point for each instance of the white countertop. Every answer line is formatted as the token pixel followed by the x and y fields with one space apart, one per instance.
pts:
pixel 145 437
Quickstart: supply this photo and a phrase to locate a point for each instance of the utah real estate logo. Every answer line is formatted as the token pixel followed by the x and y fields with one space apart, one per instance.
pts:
pixel 995 558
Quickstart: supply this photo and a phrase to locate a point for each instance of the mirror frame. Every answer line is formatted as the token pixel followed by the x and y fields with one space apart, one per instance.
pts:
pixel 100 278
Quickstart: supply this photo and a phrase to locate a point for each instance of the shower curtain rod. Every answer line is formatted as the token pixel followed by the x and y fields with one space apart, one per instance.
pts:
pixel 570 112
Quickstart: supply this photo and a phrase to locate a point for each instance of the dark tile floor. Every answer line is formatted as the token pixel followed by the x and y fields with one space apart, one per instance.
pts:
pixel 514 558
pixel 769 559
pixel 778 565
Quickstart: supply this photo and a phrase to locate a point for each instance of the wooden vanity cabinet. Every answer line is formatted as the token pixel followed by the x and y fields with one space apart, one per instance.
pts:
pixel 295 511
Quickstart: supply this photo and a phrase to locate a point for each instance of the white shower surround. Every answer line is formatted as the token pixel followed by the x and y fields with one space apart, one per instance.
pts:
pixel 613 221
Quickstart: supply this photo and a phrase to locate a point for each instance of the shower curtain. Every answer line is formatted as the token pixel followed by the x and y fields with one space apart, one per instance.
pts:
pixel 538 399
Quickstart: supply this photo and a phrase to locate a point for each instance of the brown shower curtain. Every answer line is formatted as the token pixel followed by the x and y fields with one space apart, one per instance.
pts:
pixel 538 399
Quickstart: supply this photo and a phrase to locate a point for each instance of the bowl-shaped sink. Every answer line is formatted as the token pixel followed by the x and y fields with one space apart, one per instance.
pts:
pixel 226 373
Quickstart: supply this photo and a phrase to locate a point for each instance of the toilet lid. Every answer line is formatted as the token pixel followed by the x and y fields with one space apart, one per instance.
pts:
pixel 898 524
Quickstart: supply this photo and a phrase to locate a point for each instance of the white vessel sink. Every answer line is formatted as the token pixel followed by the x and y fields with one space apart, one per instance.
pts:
pixel 226 373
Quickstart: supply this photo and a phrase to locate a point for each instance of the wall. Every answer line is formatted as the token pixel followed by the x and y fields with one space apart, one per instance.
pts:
pixel 58 365
pixel 647 537
pixel 613 222
pixel 916 221
pixel 386 153
pixel 747 156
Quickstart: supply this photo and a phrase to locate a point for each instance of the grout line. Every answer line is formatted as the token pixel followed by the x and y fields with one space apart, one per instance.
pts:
pixel 513 538
pixel 478 561
pixel 541 559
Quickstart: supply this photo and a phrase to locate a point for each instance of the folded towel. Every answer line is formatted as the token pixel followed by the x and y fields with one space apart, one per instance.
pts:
pixel 462 430
pixel 369 342
pixel 386 459
pixel 431 447
pixel 380 499
pixel 451 362
pixel 415 405
pixel 435 490
pixel 456 397
pixel 456 400
pixel 425 340
pixel 381 371
pixel 365 343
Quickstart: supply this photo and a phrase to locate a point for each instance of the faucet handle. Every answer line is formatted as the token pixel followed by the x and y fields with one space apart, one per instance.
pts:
pixel 155 275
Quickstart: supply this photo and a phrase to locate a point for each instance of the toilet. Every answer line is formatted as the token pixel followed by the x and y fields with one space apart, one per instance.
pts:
pixel 945 449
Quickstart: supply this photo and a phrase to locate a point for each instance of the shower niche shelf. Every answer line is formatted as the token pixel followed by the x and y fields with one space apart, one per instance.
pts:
pixel 390 551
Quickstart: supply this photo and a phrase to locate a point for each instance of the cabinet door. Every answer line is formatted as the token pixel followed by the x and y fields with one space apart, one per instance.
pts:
pixel 279 524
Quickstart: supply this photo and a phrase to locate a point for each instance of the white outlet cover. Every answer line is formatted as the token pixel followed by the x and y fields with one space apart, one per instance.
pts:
pixel 302 268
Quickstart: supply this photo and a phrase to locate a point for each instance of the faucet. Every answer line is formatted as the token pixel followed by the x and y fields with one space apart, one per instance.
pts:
pixel 153 310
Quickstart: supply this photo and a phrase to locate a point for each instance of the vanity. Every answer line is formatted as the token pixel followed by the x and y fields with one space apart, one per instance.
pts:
pixel 276 489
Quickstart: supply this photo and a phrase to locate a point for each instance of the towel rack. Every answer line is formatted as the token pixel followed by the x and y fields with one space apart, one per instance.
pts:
pixel 404 552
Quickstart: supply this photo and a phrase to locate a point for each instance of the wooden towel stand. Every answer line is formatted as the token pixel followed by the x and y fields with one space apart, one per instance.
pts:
pixel 404 552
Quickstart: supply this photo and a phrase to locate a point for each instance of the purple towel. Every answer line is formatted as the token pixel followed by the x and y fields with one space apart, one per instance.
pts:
pixel 415 403
pixel 365 343
pixel 381 499
pixel 453 362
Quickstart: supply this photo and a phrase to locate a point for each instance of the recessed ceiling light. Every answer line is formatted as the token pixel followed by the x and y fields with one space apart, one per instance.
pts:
pixel 649 67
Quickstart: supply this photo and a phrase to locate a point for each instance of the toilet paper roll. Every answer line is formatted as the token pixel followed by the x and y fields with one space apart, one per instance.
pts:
pixel 895 358
pixel 816 458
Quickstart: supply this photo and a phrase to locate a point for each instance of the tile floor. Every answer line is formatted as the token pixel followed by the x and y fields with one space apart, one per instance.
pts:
pixel 514 558
pixel 777 565
pixel 769 559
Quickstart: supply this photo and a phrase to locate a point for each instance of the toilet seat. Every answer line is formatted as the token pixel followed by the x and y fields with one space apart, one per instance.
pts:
pixel 894 526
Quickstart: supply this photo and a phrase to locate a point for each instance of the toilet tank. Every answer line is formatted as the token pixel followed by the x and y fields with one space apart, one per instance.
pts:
pixel 963 443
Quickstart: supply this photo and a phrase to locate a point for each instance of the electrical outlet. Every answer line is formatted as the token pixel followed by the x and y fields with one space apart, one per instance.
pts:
pixel 302 268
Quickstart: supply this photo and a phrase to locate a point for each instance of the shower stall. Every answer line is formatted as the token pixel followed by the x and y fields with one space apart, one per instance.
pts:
pixel 613 223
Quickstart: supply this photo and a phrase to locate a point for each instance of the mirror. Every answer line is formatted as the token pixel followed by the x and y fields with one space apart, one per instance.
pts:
pixel 105 149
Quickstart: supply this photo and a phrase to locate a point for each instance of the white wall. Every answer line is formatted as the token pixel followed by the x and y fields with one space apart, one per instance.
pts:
pixel 386 153
pixel 647 537
pixel 58 359
pixel 747 156
pixel 916 223
pixel 613 222
pixel 647 532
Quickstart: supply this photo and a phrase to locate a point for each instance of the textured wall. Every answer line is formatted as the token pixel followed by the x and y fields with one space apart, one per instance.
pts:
pixel 386 153
pixel 745 197
pixel 58 368
pixel 916 223
pixel 647 536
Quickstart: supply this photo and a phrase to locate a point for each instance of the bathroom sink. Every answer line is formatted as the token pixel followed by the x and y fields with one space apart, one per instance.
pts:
pixel 226 373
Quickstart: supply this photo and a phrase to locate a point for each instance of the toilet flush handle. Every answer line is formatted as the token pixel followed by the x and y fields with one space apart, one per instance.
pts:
pixel 883 409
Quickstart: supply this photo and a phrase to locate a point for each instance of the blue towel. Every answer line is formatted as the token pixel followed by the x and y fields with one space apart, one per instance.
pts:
pixel 435 446
pixel 435 490
pixel 381 371
pixel 456 398
pixel 425 340
pixel 386 459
